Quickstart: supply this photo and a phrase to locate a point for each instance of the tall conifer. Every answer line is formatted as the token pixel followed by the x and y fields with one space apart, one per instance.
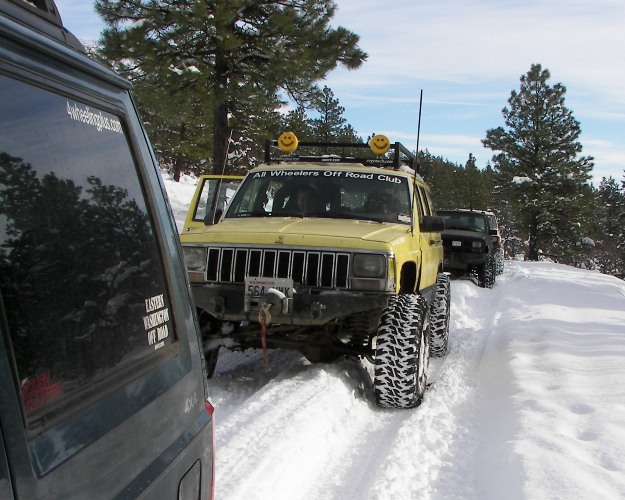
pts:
pixel 537 168
pixel 224 63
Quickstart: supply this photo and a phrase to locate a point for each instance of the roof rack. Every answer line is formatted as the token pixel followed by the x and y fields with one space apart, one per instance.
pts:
pixel 397 156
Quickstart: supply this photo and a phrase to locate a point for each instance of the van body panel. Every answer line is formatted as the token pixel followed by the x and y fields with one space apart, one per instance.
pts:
pixel 117 429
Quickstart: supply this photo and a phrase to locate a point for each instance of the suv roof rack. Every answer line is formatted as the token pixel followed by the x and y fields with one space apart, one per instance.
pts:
pixel 399 154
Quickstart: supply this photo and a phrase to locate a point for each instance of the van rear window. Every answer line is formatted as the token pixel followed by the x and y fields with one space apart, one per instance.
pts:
pixel 81 276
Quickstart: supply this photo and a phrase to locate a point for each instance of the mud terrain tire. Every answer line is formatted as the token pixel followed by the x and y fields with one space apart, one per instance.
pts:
pixel 499 262
pixel 486 273
pixel 439 317
pixel 402 352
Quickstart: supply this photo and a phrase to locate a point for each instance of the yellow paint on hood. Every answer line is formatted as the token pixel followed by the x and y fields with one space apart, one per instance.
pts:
pixel 337 233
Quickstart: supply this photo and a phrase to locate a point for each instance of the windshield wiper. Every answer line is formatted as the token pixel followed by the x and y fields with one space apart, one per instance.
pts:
pixel 255 213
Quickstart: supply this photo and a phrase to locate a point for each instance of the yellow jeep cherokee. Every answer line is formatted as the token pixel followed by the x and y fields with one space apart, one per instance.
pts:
pixel 327 255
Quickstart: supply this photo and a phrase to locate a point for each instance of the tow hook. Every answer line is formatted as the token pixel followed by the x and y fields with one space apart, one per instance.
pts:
pixel 316 309
pixel 276 300
pixel 219 304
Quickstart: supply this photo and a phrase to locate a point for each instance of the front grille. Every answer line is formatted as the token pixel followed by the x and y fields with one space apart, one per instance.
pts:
pixel 467 245
pixel 315 268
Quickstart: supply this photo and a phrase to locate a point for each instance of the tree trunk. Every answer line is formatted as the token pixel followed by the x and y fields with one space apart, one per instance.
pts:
pixel 221 135
pixel 532 251
pixel 221 132
pixel 178 162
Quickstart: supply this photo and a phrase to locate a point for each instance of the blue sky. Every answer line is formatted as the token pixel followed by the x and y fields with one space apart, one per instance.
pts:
pixel 467 56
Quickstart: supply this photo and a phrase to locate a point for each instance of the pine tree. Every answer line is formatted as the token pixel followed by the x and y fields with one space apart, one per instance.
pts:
pixel 454 186
pixel 537 171
pixel 475 186
pixel 330 124
pixel 298 122
pixel 621 233
pixel 228 60
pixel 442 176
pixel 607 227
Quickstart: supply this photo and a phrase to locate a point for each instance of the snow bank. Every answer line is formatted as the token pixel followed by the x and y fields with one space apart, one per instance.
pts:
pixel 528 403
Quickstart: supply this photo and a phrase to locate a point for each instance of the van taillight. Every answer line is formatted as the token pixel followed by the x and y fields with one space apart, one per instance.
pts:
pixel 210 408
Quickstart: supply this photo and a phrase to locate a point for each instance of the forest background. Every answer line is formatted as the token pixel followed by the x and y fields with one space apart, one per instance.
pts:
pixel 214 79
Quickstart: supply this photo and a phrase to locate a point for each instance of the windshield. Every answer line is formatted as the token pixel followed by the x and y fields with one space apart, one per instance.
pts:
pixel 461 220
pixel 336 194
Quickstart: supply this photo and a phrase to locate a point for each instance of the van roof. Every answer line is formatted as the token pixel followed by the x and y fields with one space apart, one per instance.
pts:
pixel 42 16
pixel 22 21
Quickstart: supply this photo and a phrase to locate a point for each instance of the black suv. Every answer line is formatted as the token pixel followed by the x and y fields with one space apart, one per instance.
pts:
pixel 470 246
pixel 102 380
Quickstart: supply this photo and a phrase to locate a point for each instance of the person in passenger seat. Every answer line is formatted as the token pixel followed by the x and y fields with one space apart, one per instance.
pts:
pixel 307 199
pixel 382 205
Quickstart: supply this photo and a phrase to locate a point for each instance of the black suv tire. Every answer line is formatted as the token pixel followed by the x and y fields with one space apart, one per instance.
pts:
pixel 439 317
pixel 486 272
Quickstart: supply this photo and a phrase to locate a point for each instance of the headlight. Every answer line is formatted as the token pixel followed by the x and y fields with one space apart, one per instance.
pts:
pixel 369 265
pixel 477 244
pixel 195 258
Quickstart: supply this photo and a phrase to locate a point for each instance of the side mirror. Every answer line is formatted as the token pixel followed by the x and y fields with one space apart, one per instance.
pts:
pixel 432 224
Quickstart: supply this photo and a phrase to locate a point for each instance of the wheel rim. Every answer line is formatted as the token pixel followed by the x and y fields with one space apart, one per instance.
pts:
pixel 423 360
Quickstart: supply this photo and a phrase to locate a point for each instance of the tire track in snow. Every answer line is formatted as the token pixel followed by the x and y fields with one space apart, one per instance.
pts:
pixel 432 455
pixel 295 430
pixel 285 439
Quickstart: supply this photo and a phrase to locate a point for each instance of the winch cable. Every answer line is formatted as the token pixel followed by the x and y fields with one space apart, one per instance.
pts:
pixel 264 318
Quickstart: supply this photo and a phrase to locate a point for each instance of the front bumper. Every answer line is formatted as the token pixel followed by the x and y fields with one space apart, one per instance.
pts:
pixel 462 260
pixel 229 302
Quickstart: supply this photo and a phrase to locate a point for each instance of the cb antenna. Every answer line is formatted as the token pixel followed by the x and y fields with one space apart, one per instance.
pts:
pixel 419 131
pixel 414 187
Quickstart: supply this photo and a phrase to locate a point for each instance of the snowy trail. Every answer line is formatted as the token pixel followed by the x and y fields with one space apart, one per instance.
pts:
pixel 510 411
pixel 529 403
pixel 553 380
pixel 318 425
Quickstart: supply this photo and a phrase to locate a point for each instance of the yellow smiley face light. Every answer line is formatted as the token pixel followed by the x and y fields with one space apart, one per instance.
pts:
pixel 379 144
pixel 288 142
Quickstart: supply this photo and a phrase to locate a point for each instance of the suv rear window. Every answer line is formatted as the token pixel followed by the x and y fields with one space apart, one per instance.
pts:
pixel 81 277
pixel 464 220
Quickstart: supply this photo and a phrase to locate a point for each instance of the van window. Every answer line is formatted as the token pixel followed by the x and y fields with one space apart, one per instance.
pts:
pixel 81 276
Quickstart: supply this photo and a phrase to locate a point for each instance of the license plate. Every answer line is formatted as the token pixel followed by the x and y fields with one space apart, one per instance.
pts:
pixel 257 287
pixel 456 243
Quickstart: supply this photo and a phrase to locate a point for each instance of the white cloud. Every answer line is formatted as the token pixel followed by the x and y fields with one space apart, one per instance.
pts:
pixel 469 56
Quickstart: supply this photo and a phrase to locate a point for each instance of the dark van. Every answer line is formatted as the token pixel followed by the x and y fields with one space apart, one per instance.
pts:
pixel 102 380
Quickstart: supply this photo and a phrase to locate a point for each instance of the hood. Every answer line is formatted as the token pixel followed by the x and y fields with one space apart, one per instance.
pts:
pixel 463 233
pixel 293 231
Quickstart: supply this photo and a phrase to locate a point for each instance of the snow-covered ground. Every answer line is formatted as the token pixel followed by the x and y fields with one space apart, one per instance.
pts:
pixel 180 194
pixel 529 403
